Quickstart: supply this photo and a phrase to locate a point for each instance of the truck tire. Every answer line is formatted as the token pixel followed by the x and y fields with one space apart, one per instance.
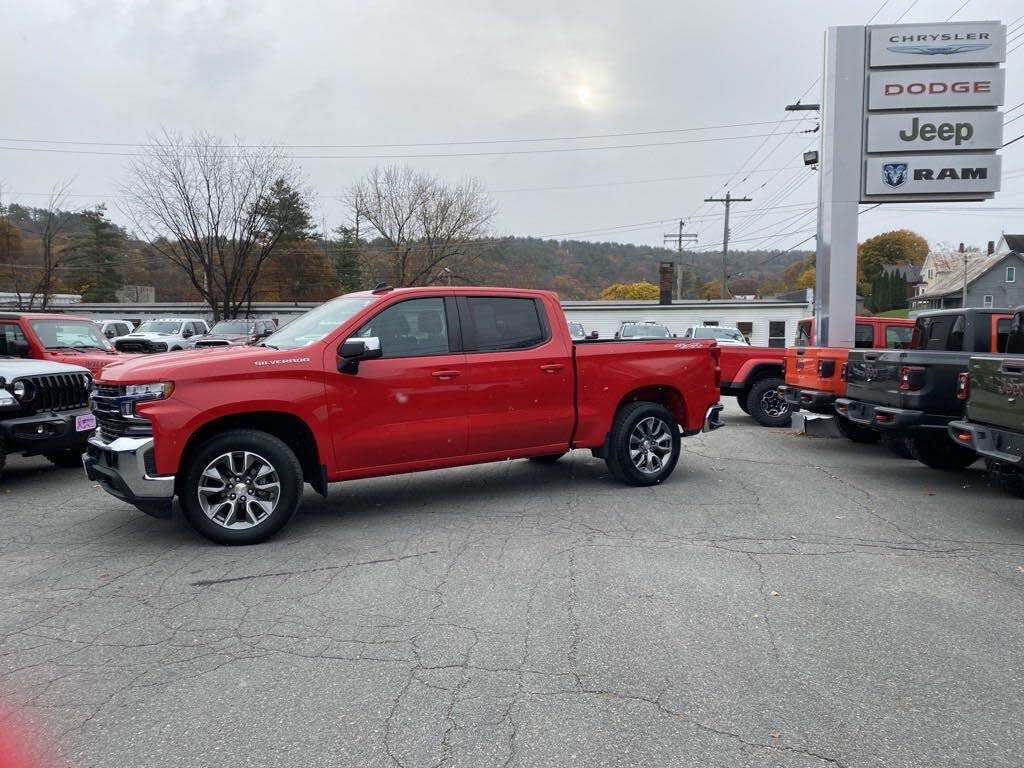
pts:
pixel 241 487
pixel 643 445
pixel 940 452
pixel 766 405
pixel 68 459
pixel 856 432
pixel 741 401
pixel 897 444
pixel 1009 479
pixel 551 458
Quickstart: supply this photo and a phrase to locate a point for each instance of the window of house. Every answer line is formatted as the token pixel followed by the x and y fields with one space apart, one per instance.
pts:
pixel 931 274
pixel 1011 274
pixel 776 333
pixel 986 300
pixel 710 323
pixel 746 328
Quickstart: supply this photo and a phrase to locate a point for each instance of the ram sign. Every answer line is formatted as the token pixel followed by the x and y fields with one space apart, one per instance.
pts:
pixel 931 123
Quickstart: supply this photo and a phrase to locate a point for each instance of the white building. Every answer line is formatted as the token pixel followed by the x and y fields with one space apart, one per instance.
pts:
pixel 765 322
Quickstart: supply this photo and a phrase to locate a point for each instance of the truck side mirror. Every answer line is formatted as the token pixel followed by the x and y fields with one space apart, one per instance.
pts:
pixel 187 334
pixel 592 335
pixel 352 351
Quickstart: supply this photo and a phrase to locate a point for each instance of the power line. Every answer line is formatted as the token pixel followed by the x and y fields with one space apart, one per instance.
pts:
pixel 508 152
pixel 954 13
pixel 877 11
pixel 909 9
pixel 471 142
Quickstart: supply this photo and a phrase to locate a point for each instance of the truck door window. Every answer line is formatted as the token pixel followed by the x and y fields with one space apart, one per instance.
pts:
pixel 413 328
pixel 803 333
pixel 505 323
pixel 863 336
pixel 955 341
pixel 898 336
pixel 10 332
pixel 930 333
pixel 1003 325
pixel 1015 338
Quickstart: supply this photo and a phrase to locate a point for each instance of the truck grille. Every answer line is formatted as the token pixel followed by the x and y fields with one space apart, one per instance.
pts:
pixel 212 344
pixel 57 391
pixel 140 345
pixel 106 405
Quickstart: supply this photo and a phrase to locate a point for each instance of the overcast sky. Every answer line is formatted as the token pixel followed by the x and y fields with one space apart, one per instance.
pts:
pixel 388 72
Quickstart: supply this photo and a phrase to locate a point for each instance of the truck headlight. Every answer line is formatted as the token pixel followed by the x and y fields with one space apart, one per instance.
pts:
pixel 7 400
pixel 21 390
pixel 159 391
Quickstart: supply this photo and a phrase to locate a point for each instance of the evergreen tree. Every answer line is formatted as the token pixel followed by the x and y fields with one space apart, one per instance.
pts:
pixel 97 252
pixel 286 208
pixel 344 254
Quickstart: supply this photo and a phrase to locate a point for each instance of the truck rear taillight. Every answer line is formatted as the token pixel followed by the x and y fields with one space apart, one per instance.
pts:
pixel 963 386
pixel 844 372
pixel 911 378
pixel 826 368
pixel 716 360
pixel 784 361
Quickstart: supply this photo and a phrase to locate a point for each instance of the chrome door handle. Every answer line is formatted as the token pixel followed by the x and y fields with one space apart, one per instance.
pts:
pixel 552 367
pixel 445 374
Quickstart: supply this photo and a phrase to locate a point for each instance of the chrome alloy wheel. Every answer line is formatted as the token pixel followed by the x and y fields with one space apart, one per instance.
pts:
pixel 239 490
pixel 650 445
pixel 774 404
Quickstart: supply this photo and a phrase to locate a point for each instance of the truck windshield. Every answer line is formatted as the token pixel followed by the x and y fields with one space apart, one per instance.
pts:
pixel 709 332
pixel 234 326
pixel 57 334
pixel 158 326
pixel 318 322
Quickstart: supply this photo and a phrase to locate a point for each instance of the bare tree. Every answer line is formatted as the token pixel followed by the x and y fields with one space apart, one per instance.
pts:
pixel 33 278
pixel 424 223
pixel 202 205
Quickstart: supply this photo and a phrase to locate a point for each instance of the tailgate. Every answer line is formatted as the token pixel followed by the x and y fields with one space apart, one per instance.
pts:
pixel 997 392
pixel 817 368
pixel 873 376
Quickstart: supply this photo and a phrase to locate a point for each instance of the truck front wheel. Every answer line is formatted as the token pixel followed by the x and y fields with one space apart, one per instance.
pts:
pixel 644 444
pixel 241 487
pixel 766 404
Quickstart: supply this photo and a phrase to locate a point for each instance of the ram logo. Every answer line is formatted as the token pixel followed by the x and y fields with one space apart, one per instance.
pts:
pixel 894 174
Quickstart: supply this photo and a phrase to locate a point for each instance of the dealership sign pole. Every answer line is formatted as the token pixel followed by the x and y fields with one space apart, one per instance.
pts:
pixel 909 114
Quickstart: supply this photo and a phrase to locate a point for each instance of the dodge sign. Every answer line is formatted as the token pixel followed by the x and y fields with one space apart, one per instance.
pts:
pixel 916 88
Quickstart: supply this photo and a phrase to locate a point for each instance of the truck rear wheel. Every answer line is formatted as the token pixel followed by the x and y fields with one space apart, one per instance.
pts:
pixel 766 404
pixel 897 444
pixel 241 487
pixel 940 452
pixel 856 432
pixel 644 444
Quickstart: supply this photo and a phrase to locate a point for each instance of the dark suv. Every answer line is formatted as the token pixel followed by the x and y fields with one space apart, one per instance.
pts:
pixel 233 333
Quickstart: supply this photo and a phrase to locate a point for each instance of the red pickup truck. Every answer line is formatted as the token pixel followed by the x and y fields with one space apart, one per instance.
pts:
pixel 752 375
pixel 57 338
pixel 385 382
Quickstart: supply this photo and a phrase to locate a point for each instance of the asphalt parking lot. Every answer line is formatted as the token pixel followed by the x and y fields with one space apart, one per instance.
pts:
pixel 781 601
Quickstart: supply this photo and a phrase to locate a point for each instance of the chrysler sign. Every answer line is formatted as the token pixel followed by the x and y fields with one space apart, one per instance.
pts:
pixel 973 175
pixel 935 131
pixel 915 45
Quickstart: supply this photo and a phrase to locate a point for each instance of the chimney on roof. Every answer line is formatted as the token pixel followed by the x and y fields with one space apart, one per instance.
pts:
pixel 991 247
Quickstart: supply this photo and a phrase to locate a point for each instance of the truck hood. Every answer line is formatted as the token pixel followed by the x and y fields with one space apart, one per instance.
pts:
pixel 230 338
pixel 216 362
pixel 148 336
pixel 13 367
pixel 92 359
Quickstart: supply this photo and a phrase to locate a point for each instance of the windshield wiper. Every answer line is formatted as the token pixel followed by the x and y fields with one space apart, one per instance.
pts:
pixel 268 346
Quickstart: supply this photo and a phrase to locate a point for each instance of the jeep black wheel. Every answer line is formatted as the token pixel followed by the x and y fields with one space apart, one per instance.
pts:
pixel 766 404
pixel 644 444
pixel 940 452
pixel 68 459
pixel 241 487
pixel 896 442
pixel 856 432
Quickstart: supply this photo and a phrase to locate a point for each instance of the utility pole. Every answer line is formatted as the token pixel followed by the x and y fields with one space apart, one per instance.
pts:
pixel 679 238
pixel 728 200
pixel 963 254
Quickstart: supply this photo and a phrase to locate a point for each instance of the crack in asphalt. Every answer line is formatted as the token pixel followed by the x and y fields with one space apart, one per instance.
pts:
pixel 230 579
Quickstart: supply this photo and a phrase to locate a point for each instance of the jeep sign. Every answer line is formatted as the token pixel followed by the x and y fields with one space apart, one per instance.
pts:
pixel 970 175
pixel 935 131
pixel 915 45
pixel 916 88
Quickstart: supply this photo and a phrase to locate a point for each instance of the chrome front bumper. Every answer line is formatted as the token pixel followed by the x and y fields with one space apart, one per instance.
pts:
pixel 120 468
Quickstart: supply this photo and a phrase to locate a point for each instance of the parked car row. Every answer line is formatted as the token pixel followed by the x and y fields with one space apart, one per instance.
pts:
pixel 946 397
